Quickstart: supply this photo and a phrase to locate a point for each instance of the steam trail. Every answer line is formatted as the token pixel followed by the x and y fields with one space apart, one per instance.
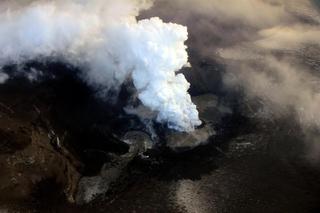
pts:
pixel 110 45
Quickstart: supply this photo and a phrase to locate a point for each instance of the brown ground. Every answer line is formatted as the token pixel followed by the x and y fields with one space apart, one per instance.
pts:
pixel 30 156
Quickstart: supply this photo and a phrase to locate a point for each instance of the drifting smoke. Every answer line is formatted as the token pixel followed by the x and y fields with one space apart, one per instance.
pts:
pixel 107 42
pixel 270 49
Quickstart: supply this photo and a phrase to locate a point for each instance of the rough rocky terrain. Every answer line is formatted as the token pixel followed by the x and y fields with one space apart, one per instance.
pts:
pixel 64 150
pixel 248 165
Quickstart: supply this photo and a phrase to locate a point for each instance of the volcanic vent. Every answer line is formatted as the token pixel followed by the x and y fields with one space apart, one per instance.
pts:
pixel 85 88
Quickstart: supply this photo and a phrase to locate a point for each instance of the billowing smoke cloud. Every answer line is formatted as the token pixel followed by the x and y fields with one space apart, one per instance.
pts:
pixel 270 49
pixel 106 41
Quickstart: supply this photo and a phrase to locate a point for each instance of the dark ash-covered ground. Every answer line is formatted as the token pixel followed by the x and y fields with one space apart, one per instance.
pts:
pixel 53 132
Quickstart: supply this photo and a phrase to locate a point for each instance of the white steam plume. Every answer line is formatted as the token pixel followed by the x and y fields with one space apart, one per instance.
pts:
pixel 269 48
pixel 110 45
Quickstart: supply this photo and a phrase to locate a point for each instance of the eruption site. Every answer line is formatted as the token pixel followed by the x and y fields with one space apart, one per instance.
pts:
pixel 175 106
pixel 110 46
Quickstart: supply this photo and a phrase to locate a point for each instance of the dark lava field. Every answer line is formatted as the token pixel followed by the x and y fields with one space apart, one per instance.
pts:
pixel 55 133
pixel 254 77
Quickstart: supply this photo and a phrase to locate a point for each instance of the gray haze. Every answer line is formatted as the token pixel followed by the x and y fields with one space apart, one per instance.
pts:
pixel 270 49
